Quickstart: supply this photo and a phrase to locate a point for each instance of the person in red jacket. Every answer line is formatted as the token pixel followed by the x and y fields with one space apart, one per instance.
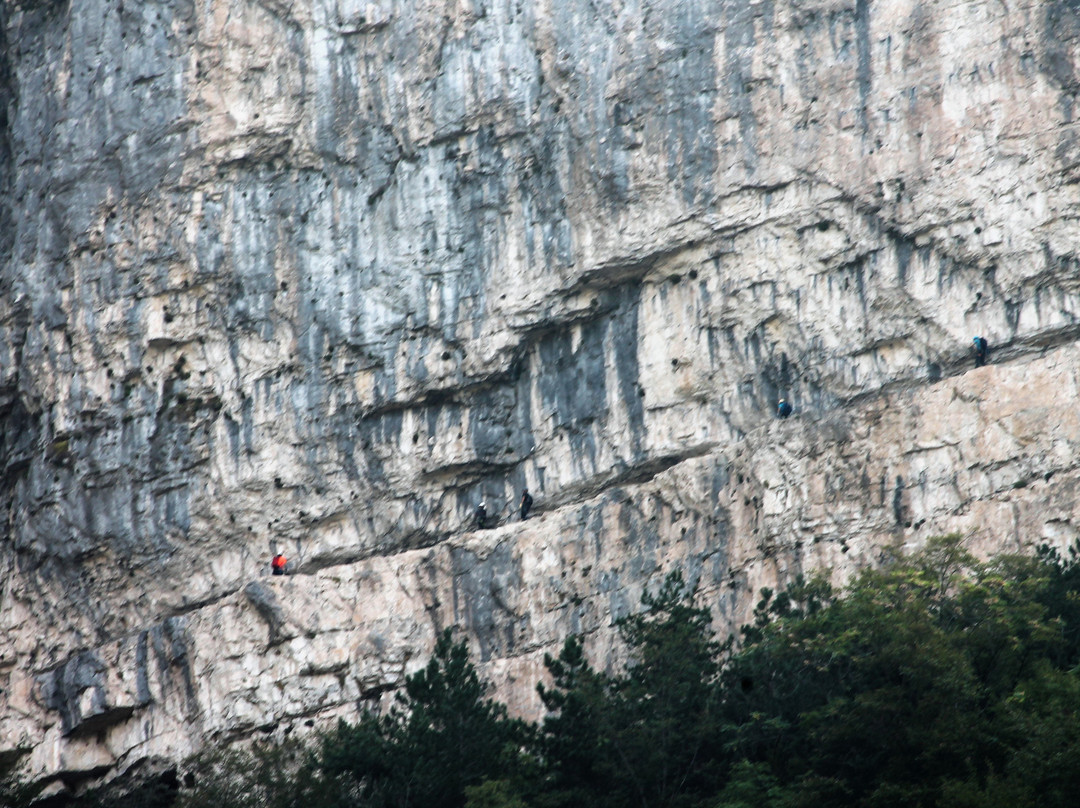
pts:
pixel 278 564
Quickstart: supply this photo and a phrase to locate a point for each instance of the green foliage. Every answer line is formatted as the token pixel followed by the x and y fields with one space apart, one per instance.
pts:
pixel 493 794
pixel 266 775
pixel 1061 597
pixel 442 736
pixel 902 689
pixel 155 792
pixel 665 707
pixel 802 598
pixel 753 785
pixel 1043 767
pixel 571 741
pixel 645 738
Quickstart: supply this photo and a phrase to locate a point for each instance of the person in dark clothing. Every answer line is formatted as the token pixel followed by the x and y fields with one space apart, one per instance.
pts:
pixel 277 564
pixel 526 504
pixel 481 516
pixel 783 409
pixel 982 348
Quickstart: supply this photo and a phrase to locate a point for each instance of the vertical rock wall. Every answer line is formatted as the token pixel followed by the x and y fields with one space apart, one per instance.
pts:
pixel 319 277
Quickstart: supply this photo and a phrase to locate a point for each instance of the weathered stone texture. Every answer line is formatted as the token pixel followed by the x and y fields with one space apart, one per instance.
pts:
pixel 320 276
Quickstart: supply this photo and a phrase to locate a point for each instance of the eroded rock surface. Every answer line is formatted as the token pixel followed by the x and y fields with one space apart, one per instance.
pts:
pixel 320 276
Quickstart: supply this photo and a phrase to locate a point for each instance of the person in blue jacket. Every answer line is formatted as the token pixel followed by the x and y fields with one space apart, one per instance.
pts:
pixel 783 409
pixel 982 348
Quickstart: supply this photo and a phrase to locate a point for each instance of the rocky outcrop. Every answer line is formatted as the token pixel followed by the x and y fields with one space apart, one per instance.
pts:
pixel 319 277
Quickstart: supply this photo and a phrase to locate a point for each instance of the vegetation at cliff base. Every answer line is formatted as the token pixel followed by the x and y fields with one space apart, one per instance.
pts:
pixel 938 681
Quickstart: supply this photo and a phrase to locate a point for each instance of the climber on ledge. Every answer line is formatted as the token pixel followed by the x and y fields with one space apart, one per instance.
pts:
pixel 526 504
pixel 481 516
pixel 277 563
pixel 783 409
pixel 982 348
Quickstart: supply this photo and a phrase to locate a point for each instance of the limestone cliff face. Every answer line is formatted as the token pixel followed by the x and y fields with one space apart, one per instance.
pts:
pixel 319 276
